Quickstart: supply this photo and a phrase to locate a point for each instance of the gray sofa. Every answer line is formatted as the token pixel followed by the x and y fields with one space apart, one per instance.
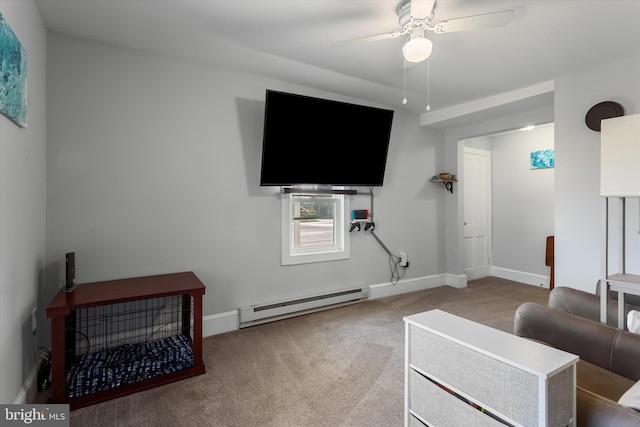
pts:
pixel 609 358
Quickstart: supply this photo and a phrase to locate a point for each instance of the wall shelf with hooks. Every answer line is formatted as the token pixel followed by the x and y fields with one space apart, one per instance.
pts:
pixel 447 181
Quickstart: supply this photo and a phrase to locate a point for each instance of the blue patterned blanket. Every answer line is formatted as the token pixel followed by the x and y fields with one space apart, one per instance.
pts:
pixel 128 364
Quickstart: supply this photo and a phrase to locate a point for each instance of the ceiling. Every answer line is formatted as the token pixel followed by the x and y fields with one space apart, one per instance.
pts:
pixel 290 40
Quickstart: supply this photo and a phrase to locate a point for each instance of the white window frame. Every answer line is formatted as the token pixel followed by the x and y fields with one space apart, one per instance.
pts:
pixel 342 247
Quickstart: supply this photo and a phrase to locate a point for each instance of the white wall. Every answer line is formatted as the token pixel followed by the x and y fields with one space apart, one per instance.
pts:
pixel 578 223
pixel 153 167
pixel 22 209
pixel 577 204
pixel 523 210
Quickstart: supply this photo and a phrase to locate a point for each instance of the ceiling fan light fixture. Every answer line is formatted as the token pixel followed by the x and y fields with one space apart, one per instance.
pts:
pixel 417 48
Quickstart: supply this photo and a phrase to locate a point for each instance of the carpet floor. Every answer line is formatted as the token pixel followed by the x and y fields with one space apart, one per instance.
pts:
pixel 338 367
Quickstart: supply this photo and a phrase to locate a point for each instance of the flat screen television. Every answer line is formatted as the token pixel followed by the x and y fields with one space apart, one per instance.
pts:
pixel 313 141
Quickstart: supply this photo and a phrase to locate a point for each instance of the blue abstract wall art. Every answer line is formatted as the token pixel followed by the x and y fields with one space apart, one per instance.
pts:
pixel 542 159
pixel 13 76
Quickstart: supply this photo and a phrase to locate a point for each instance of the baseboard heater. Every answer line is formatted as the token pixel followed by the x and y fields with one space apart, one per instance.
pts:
pixel 257 314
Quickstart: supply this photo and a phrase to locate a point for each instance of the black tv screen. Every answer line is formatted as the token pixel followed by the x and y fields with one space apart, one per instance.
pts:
pixel 316 141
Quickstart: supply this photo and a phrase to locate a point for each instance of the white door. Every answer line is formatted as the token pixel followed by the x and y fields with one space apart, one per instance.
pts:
pixel 477 213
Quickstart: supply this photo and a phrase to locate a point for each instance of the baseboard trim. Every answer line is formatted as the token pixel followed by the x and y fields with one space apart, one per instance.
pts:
pixel 457 281
pixel 220 323
pixel 388 289
pixel 537 280
pixel 29 388
pixel 229 321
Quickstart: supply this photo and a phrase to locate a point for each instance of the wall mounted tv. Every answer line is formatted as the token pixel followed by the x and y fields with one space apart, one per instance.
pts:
pixel 315 141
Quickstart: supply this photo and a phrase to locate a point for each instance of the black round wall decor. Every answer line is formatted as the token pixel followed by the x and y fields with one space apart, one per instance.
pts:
pixel 601 111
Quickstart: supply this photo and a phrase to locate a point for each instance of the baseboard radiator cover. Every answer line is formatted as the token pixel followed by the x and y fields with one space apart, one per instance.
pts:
pixel 263 313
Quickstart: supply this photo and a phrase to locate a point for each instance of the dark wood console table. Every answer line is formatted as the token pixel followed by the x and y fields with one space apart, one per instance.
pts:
pixel 184 287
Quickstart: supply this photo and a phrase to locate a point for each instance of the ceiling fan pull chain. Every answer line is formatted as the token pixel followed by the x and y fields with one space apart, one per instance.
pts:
pixel 404 100
pixel 428 83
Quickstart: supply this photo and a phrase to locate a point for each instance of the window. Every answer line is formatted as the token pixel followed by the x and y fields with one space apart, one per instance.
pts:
pixel 313 228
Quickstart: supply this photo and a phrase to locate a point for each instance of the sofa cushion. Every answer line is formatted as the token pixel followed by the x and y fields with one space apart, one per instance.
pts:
pixel 593 410
pixel 601 381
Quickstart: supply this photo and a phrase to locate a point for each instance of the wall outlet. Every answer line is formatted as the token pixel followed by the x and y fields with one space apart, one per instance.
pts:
pixel 404 259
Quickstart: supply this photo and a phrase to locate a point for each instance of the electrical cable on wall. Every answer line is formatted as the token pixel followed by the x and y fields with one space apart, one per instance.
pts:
pixel 394 260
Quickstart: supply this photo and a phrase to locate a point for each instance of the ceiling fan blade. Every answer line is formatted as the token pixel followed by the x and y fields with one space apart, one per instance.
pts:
pixel 476 22
pixel 421 9
pixel 366 39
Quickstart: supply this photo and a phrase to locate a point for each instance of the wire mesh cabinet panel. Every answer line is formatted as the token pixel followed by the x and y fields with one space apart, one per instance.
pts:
pixel 118 337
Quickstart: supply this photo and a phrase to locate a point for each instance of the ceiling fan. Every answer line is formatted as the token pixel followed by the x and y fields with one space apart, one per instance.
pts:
pixel 416 16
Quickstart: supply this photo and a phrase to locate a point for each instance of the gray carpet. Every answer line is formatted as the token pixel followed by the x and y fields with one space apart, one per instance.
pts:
pixel 339 367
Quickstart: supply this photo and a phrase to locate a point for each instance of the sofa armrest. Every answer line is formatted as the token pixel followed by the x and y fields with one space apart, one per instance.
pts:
pixel 610 348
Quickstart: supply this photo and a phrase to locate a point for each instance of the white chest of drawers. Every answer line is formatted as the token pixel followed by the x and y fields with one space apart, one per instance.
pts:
pixel 458 372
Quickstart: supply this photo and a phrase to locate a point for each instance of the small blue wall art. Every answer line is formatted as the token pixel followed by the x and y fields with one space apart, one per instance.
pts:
pixel 542 159
pixel 13 76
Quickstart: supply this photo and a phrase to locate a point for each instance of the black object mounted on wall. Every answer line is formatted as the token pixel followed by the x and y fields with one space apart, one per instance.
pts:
pixel 601 111
pixel 315 141
pixel 70 261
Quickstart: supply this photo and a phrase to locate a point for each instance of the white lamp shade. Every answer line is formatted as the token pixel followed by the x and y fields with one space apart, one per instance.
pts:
pixel 417 49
